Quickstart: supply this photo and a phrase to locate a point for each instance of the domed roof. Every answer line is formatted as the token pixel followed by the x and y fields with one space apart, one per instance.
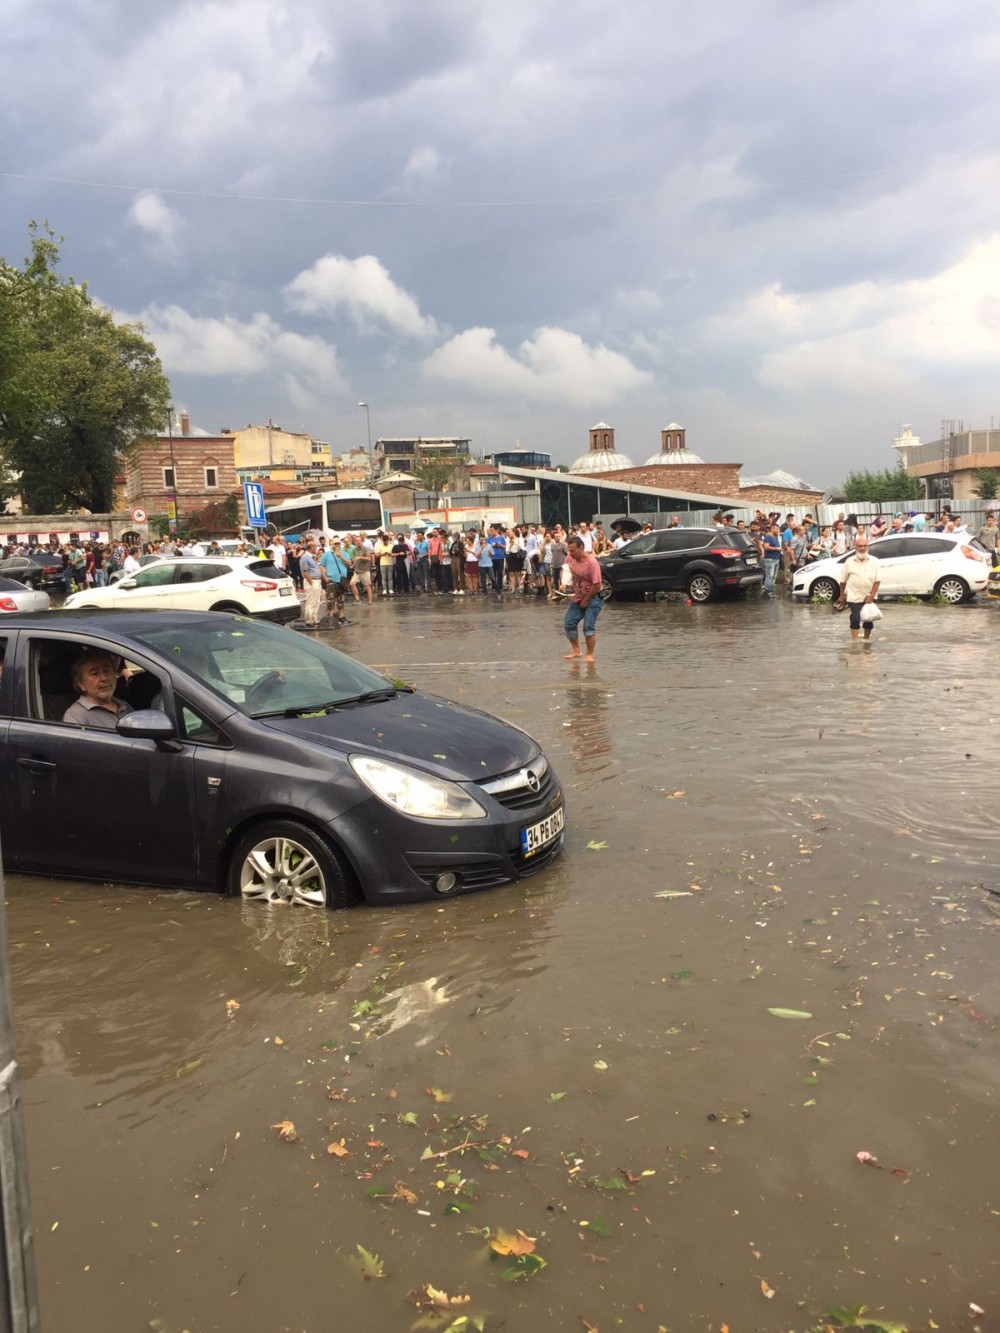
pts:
pixel 601 460
pixel 669 457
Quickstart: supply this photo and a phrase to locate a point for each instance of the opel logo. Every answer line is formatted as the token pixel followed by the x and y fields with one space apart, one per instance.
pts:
pixel 533 780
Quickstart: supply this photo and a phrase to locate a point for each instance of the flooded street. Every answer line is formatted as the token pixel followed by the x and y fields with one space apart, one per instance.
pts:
pixel 762 816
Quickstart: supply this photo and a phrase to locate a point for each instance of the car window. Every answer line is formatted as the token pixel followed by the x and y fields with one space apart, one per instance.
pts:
pixel 10 585
pixel 153 576
pixel 195 727
pixel 262 668
pixel 889 548
pixel 51 688
pixel 198 571
pixel 641 545
pixel 265 570
pixel 926 545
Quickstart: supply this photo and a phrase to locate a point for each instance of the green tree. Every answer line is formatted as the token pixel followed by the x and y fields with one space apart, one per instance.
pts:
pixel 434 474
pixel 75 386
pixel 987 483
pixel 890 484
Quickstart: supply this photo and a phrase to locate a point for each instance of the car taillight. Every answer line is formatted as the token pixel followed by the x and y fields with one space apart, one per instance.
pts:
pixel 7 604
pixel 971 553
pixel 726 552
pixel 258 585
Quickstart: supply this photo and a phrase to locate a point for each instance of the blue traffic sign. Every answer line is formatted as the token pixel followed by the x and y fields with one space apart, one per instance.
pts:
pixel 253 498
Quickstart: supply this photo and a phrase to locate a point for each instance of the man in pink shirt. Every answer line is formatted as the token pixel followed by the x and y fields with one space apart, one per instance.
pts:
pixel 586 602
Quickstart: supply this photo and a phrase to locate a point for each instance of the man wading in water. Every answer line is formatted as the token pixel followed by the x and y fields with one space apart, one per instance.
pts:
pixel 586 603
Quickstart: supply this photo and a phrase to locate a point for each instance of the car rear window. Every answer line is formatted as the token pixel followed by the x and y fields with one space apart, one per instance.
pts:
pixel 265 570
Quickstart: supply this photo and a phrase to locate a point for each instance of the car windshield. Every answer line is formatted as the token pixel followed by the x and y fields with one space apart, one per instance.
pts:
pixel 265 670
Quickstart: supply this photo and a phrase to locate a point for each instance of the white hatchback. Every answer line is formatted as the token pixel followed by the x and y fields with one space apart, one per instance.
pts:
pixel 917 564
pixel 251 587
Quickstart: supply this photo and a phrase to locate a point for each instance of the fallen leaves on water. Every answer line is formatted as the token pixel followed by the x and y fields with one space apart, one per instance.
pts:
pixel 502 1242
pixel 675 795
pixel 598 1225
pixel 338 1149
pixel 439 1096
pixel 766 1291
pixel 601 1065
pixel 866 1159
pixel 789 1013
pixel 232 1008
pixel 372 1265
pixel 523 1265
pixel 673 893
pixel 593 846
pixel 435 1301
pixel 556 1096
pixel 287 1131
pixel 189 1068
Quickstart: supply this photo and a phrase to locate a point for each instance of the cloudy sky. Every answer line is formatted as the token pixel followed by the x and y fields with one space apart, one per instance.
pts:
pixel 776 222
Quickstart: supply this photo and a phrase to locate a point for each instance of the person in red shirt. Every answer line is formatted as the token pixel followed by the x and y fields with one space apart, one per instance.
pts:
pixel 586 601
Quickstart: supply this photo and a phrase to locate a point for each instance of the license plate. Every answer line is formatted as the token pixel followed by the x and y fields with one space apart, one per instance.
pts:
pixel 537 836
pixel 751 559
pixel 284 592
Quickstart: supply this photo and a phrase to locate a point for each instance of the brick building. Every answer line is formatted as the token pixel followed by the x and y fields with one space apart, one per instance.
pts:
pixel 190 465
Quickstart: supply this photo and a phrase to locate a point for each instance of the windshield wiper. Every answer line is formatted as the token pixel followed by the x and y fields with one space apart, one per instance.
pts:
pixel 349 701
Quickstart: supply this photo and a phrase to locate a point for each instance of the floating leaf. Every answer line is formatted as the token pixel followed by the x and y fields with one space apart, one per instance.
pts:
pixel 440 756
pixel 596 846
pixel 189 1068
pixel 556 1096
pixel 440 1096
pixel 525 1265
pixel 674 893
pixel 287 1132
pixel 789 1013
pixel 436 1301
pixel 521 1153
pixel 408 1118
pixel 766 1291
pixel 609 1183
pixel 372 1265
pixel 339 1149
pixel 599 1226
pixel 502 1242
pixel 601 1065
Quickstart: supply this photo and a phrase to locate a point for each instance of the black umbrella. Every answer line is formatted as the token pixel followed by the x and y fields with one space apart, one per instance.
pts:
pixel 626 526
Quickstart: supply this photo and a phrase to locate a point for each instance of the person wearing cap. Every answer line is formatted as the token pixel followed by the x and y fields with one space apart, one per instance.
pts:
pixel 337 572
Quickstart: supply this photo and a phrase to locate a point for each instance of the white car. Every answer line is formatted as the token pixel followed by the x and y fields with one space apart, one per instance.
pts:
pixel 251 587
pixel 917 564
pixel 14 596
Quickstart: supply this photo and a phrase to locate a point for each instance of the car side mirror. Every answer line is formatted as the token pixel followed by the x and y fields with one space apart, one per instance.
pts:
pixel 146 724
pixel 127 583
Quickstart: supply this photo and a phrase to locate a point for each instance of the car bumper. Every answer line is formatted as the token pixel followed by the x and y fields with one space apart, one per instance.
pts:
pixel 290 609
pixel 399 859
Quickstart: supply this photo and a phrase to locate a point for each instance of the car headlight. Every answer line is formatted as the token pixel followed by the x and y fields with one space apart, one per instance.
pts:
pixel 413 792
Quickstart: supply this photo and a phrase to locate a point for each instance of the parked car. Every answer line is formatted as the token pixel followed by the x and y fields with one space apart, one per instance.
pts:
pixel 251 587
pixel 919 564
pixel 259 762
pixel 34 571
pixel 703 562
pixel 16 596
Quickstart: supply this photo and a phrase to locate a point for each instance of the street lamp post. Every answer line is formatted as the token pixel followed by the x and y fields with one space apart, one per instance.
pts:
pixel 368 419
pixel 172 519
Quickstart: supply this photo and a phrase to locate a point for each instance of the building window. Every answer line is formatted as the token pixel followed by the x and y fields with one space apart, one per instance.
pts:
pixel 211 477
pixel 169 480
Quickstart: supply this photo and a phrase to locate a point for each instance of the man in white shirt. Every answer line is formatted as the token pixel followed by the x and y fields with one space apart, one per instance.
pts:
pixel 130 565
pixel 859 584
pixel 587 537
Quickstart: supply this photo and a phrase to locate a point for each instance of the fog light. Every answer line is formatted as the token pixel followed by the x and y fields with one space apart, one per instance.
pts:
pixel 447 883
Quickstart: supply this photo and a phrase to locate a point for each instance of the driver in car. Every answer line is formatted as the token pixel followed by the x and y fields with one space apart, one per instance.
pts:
pixel 94 673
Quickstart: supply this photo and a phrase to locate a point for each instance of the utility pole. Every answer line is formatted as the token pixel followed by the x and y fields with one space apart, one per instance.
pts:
pixel 172 519
pixel 371 457
pixel 270 443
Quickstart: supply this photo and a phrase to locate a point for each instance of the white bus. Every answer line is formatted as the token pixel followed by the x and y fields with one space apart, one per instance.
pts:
pixel 334 513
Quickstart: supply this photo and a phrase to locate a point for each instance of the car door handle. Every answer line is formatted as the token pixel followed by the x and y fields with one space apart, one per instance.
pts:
pixel 38 765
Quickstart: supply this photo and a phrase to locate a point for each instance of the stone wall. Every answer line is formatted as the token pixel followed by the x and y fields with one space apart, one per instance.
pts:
pixel 146 461
pixel 722 479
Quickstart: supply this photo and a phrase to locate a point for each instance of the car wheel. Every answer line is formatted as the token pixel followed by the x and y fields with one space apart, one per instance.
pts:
pixel 952 589
pixel 230 606
pixel 701 587
pixel 281 861
pixel 607 592
pixel 824 590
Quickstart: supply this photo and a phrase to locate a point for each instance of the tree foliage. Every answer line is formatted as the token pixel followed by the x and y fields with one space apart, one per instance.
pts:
pixel 434 474
pixel 987 483
pixel 890 484
pixel 75 386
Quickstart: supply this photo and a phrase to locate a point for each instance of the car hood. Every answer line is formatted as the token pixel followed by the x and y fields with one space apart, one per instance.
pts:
pixel 451 740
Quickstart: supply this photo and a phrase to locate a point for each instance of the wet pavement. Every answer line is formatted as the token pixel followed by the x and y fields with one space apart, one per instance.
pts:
pixel 762 816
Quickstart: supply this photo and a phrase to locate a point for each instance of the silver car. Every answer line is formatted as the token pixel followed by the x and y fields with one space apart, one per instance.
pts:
pixel 15 596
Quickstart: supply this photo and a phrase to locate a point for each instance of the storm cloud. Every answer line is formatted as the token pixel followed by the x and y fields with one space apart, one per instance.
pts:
pixel 773 222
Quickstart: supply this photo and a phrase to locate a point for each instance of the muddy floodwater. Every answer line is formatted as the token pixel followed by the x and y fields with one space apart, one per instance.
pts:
pixel 764 819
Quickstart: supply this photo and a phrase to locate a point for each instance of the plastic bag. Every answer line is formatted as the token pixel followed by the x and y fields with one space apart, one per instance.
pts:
pixel 870 613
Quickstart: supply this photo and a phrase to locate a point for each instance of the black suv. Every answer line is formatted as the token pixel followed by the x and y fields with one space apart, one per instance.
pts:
pixel 702 562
